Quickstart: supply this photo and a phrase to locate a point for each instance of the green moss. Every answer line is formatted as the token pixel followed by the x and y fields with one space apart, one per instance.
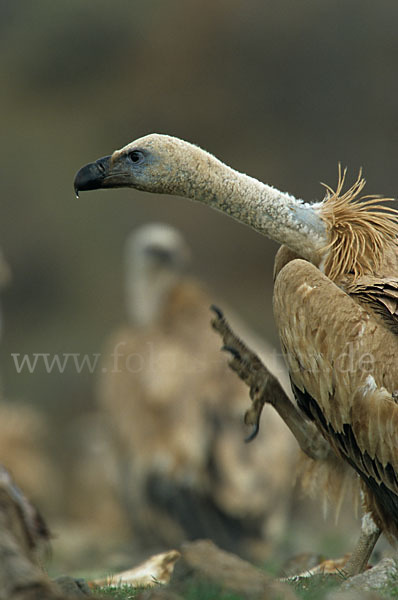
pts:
pixel 202 590
pixel 390 590
pixel 193 590
pixel 316 587
pixel 122 592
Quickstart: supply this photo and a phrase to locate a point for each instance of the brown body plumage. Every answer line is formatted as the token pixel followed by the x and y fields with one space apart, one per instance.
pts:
pixel 335 298
pixel 342 359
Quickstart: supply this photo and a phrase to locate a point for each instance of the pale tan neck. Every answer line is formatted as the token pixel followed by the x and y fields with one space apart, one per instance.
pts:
pixel 275 214
pixel 146 295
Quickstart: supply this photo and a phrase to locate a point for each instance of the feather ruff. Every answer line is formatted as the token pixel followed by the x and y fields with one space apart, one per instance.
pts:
pixel 360 229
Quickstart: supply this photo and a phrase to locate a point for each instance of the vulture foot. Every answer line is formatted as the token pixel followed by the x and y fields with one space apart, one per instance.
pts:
pixel 265 388
pixel 248 367
pixel 358 561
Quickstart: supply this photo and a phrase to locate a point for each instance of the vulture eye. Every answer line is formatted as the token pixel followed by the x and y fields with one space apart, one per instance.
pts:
pixel 136 157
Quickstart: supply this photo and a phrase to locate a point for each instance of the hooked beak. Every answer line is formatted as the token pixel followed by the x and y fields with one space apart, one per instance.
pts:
pixel 93 176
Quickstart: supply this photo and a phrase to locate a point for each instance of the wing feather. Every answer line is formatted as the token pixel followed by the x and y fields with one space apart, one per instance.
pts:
pixel 378 294
pixel 343 367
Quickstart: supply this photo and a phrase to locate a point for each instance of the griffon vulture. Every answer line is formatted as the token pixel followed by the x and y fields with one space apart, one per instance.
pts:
pixel 174 414
pixel 335 302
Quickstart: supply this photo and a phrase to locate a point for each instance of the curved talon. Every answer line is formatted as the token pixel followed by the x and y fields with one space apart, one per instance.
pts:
pixel 253 434
pixel 232 351
pixel 217 310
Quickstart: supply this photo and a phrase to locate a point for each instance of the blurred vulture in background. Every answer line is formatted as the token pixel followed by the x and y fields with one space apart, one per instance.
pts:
pixel 175 414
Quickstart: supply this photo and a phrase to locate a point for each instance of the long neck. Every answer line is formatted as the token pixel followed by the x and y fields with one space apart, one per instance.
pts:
pixel 146 295
pixel 275 214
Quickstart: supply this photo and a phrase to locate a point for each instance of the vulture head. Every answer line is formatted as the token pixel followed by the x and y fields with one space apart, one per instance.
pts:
pixel 156 260
pixel 154 163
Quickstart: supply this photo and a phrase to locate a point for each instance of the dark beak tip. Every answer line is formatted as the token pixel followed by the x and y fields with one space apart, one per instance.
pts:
pixel 89 177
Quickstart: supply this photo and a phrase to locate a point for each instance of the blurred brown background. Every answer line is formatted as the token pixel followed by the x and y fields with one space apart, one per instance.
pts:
pixel 280 90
